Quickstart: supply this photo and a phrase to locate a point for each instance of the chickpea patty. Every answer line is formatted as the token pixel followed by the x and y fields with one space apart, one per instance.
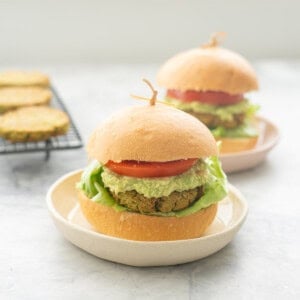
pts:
pixel 174 202
pixel 35 123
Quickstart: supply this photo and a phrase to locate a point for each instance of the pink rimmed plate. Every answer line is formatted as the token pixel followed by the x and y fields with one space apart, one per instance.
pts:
pixel 268 138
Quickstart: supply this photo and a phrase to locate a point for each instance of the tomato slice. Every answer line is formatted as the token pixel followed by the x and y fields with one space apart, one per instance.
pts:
pixel 151 169
pixel 209 97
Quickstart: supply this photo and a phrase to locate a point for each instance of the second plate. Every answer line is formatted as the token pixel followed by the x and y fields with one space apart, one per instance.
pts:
pixel 268 138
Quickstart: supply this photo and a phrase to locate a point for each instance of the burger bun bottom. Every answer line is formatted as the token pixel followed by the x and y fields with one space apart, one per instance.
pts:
pixel 234 145
pixel 139 227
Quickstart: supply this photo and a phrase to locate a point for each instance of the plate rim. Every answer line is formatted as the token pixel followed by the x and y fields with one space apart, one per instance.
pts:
pixel 55 214
pixel 259 148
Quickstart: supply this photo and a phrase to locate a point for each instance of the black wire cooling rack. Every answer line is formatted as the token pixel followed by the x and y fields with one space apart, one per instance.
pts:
pixel 71 140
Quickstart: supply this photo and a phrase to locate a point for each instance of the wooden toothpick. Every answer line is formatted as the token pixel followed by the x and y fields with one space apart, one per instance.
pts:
pixel 151 100
pixel 215 39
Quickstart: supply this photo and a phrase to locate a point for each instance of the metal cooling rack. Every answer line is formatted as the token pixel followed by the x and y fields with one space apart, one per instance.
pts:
pixel 71 140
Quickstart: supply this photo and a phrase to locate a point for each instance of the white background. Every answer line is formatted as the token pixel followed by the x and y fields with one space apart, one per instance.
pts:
pixel 35 31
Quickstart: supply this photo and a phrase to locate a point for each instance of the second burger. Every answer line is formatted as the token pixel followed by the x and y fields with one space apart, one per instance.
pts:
pixel 209 82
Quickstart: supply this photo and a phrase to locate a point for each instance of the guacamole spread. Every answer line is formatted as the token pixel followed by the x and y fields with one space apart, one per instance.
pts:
pixel 224 112
pixel 239 115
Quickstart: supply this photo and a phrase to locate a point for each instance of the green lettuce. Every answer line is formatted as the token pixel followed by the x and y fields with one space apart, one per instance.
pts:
pixel 215 188
pixel 245 130
pixel 224 112
pixel 90 176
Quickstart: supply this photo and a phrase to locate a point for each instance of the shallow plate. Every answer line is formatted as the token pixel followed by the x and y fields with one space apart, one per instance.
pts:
pixel 62 204
pixel 268 138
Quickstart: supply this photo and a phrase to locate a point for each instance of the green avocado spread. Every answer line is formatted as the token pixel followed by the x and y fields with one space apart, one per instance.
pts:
pixel 96 179
pixel 158 186
pixel 224 112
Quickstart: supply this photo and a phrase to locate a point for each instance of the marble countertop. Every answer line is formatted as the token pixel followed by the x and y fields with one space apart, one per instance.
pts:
pixel 262 262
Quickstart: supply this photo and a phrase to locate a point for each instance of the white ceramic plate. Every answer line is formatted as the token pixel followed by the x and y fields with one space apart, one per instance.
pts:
pixel 268 138
pixel 62 204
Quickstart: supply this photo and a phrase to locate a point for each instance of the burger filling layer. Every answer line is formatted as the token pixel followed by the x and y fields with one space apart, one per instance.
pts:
pixel 226 117
pixel 199 187
pixel 174 202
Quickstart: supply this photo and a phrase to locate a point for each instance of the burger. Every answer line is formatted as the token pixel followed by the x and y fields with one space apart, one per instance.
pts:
pixel 154 175
pixel 210 83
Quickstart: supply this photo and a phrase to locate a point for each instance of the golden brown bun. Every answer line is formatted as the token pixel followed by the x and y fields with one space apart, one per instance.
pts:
pixel 208 69
pixel 155 133
pixel 231 145
pixel 135 226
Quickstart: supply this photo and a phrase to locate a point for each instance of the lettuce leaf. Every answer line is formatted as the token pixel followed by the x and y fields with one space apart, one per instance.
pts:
pixel 246 130
pixel 90 176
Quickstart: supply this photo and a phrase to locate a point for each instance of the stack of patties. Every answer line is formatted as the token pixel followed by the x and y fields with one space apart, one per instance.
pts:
pixel 210 83
pixel 155 175
pixel 20 89
pixel 24 100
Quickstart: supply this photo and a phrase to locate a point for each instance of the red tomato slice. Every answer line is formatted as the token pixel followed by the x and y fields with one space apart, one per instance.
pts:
pixel 151 169
pixel 209 97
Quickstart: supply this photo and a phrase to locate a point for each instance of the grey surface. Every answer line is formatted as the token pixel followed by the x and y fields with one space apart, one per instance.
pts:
pixel 262 262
